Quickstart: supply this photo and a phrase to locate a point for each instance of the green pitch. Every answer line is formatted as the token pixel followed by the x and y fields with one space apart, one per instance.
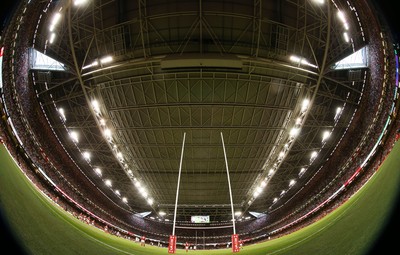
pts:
pixel 44 228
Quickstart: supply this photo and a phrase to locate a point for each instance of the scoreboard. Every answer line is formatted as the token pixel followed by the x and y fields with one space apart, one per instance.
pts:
pixel 200 219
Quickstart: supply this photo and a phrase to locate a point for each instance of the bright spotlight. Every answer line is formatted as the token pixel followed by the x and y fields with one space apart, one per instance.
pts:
pixel 304 105
pixel 108 182
pixel 107 59
pixel 98 171
pixel 86 155
pixel 325 135
pixel 74 136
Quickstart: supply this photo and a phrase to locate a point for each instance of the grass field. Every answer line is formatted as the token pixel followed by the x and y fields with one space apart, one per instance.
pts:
pixel 43 228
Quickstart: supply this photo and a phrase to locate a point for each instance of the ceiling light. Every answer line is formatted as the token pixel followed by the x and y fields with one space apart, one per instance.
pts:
pixel 74 136
pixel 96 107
pixel 137 184
pixel 54 21
pixel 144 193
pixel 325 135
pixel 106 60
pixel 341 16
pixel 98 171
pixel 256 194
pixel 52 38
pixel 271 171
pixel 304 105
pixel 86 155
pixel 294 132
pixel 338 112
pixel 300 60
pixel 108 182
pixel 314 155
pixel 79 2
pixel 346 37
pixel 107 133
pixel 62 113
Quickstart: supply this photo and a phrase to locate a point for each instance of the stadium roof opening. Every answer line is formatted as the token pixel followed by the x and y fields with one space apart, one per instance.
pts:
pixel 40 61
pixel 356 60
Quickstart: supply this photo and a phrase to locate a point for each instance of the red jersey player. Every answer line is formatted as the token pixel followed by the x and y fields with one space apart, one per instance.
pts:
pixel 143 241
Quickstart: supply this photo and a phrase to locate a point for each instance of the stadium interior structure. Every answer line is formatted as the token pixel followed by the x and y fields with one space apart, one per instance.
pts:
pixel 269 113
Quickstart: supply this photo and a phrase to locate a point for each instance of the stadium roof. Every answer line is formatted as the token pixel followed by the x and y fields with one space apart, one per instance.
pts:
pixel 126 81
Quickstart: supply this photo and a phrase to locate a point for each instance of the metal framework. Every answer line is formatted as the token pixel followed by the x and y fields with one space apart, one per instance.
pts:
pixel 201 67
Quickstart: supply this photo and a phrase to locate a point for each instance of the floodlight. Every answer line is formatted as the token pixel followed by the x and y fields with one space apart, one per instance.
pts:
pixel 256 194
pixel 294 132
pixel 341 16
pixel 107 133
pixel 346 37
pixel 304 105
pixel 108 182
pixel 106 60
pixel 102 122
pixel 271 171
pixel 325 135
pixel 74 136
pixel 98 171
pixel 86 155
pixel 137 184
pixel 314 154
pixel 144 194
pixel 79 2
pixel 54 21
pixel 52 38
pixel 96 107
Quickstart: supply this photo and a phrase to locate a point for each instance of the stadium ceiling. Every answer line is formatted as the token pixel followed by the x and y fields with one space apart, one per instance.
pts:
pixel 138 75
